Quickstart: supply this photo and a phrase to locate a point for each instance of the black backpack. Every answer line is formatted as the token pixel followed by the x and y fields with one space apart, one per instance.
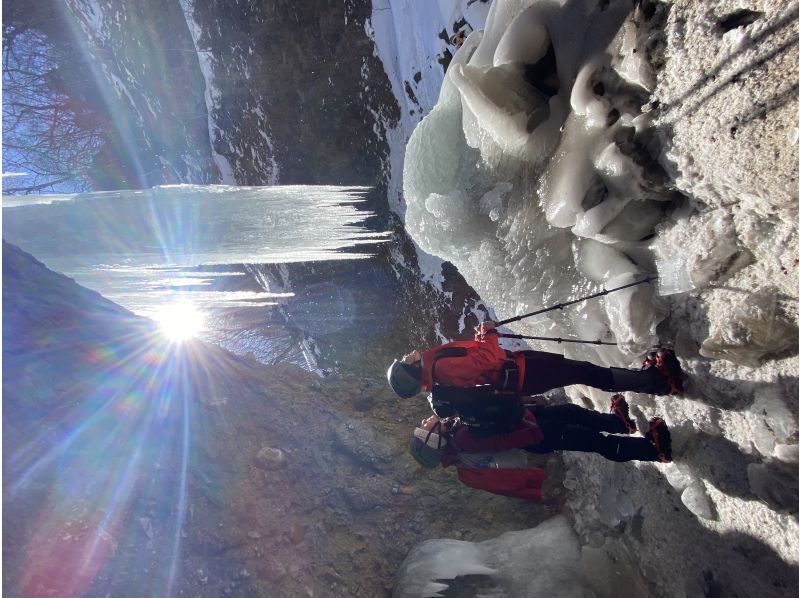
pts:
pixel 482 407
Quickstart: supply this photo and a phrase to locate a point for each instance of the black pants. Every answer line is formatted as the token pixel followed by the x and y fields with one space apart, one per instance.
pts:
pixel 546 371
pixel 573 428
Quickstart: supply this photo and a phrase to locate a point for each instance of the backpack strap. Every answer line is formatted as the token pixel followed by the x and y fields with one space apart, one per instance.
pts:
pixel 443 409
pixel 485 406
pixel 510 377
pixel 442 353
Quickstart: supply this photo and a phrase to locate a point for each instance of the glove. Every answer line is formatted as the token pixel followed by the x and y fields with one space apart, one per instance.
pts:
pixel 485 327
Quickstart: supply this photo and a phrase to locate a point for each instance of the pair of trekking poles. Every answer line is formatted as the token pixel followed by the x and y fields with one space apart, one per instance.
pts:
pixel 562 306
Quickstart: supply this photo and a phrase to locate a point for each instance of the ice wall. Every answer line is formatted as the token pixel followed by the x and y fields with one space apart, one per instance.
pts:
pixel 531 174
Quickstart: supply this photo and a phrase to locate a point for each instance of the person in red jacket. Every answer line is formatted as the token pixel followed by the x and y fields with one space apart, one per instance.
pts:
pixel 496 470
pixel 496 463
pixel 551 428
pixel 482 361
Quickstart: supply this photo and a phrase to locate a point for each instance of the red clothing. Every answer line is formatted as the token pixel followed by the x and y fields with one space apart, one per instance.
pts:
pixel 525 483
pixel 483 364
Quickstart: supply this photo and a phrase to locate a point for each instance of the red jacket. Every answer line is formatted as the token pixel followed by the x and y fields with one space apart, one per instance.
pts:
pixel 524 482
pixel 483 364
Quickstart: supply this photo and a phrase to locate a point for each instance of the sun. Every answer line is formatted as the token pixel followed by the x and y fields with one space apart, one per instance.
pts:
pixel 180 321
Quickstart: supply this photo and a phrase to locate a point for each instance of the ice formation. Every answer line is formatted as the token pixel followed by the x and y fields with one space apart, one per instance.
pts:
pixel 546 561
pixel 526 174
pixel 693 495
pixel 132 246
pixel 751 331
pixel 772 424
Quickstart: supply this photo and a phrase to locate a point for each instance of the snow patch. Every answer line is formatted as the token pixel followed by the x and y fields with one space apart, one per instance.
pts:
pixel 212 94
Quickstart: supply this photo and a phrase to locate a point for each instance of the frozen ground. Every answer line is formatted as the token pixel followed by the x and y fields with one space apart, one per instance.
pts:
pixel 661 139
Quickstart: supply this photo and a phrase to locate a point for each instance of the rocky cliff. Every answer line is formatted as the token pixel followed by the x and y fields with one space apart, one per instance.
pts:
pixel 293 92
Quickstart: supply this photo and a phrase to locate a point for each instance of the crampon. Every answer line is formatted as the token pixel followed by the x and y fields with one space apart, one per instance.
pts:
pixel 665 361
pixel 619 407
pixel 661 439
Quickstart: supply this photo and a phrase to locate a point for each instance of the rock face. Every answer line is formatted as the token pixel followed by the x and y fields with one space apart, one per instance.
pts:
pixel 298 95
pixel 310 67
pixel 151 84
pixel 130 463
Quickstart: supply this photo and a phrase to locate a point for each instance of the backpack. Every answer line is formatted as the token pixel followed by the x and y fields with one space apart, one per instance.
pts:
pixel 483 407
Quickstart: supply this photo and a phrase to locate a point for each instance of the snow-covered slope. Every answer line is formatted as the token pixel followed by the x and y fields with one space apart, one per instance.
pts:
pixel 580 144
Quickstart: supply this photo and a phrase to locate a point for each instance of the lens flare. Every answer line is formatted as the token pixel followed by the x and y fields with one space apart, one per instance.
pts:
pixel 180 321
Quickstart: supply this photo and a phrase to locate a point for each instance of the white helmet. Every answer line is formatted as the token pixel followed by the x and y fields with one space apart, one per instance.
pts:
pixel 428 443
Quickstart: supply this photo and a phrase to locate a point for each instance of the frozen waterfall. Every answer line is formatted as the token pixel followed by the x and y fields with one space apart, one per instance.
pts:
pixel 532 174
pixel 134 246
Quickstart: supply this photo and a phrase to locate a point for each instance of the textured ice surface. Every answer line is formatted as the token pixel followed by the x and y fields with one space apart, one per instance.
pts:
pixel 774 484
pixel 546 561
pixel 521 175
pixel 752 331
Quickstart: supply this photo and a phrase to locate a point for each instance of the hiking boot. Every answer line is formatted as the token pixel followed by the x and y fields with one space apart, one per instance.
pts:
pixel 667 364
pixel 619 407
pixel 661 439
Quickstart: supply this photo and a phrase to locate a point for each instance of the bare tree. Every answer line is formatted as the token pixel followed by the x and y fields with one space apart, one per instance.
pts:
pixel 47 132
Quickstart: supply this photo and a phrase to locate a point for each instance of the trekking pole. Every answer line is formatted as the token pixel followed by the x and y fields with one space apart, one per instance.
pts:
pixel 563 305
pixel 554 339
